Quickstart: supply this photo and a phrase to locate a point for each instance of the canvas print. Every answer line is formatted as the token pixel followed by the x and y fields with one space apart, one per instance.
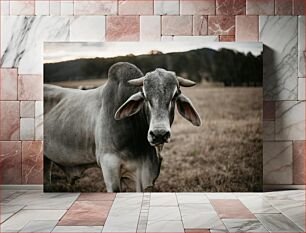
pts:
pixel 157 117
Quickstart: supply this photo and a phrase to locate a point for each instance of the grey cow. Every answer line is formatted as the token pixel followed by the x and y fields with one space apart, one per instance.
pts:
pixel 121 126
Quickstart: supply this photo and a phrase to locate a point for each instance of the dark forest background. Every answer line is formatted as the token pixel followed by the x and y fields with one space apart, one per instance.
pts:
pixel 225 66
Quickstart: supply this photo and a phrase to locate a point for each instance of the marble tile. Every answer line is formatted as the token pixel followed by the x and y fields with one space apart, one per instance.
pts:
pixel 176 25
pixel 39 226
pixel 203 7
pixel 66 7
pixel 9 210
pixel 231 209
pixel 279 34
pixel 87 29
pixel 22 7
pixel 74 229
pixel 97 197
pixel 6 194
pixel 164 213
pixel 246 28
pixel 6 197
pixel 163 199
pixel 165 226
pixel 277 162
pixel 30 87
pixel 8 87
pixel 301 47
pixel 301 88
pixel 200 230
pixel 166 38
pixel 293 195
pixel 237 225
pixel 150 28
pixel 221 196
pixel 197 39
pixel 27 129
pixel 260 7
pixel 277 223
pixel 204 220
pixel 27 108
pixel 107 7
pixel 9 120
pixel 268 130
pixel 221 25
pixel 298 7
pixel 269 110
pixel 55 8
pixel 283 7
pixel 130 196
pixel 167 7
pixel 42 7
pixel 200 25
pixel 20 219
pixel 225 38
pixel 257 205
pixel 230 7
pixel 32 162
pixel 187 198
pixel 298 162
pixel 290 120
pixel 122 28
pixel 5 7
pixel 39 117
pixel 22 40
pixel 135 7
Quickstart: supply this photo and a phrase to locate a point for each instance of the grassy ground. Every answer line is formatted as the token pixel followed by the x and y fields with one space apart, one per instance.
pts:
pixel 224 154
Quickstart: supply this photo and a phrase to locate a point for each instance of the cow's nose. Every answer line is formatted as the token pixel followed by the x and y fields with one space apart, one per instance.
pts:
pixel 160 136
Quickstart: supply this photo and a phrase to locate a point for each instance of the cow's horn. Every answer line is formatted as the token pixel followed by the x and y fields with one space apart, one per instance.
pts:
pixel 137 82
pixel 185 82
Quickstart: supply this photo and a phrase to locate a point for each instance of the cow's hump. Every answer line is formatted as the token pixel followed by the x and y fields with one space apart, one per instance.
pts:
pixel 122 72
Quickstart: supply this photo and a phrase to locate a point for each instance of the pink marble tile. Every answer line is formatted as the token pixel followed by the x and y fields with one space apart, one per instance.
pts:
pixel 105 7
pixel 9 120
pixel 200 25
pixel 135 7
pixel 22 7
pixel 260 7
pixel 30 87
pixel 195 7
pixel 283 7
pixel 8 84
pixel 86 213
pixel 247 28
pixel 10 162
pixel 299 162
pixel 269 110
pixel 32 162
pixel 221 25
pixel 230 7
pixel 227 38
pixel 122 28
pixel 150 28
pixel 176 25
pixel 298 7
pixel 231 209
pixel 27 108
pixel 97 197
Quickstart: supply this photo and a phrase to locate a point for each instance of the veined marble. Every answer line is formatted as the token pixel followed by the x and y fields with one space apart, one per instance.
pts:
pixel 42 7
pixel 278 223
pixel 170 7
pixel 279 34
pixel 301 46
pixel 23 37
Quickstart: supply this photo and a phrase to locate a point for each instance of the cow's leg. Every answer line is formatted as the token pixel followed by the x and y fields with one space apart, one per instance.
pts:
pixel 110 164
pixel 47 170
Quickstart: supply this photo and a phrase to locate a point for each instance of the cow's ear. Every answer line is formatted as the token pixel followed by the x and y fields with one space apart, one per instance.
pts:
pixel 186 109
pixel 130 107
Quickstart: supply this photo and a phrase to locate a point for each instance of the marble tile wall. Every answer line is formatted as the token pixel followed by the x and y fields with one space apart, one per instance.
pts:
pixel 26 24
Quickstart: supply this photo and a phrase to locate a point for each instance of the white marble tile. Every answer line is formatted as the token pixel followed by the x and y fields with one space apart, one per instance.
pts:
pixel 27 129
pixel 277 162
pixel 165 226
pixel 208 220
pixel 257 205
pixel 27 108
pixel 5 7
pixel 290 120
pixel 55 7
pixel 301 89
pixel 166 38
pixel 163 199
pixel 277 223
pixel 150 28
pixel 39 117
pixel 164 213
pixel 189 209
pixel 196 38
pixel 170 7
pixel 74 229
pixel 42 7
pixel 105 7
pixel 6 193
pixel 294 195
pixel 192 198
pixel 22 40
pixel 221 196
pixel 66 7
pixel 279 35
pixel 129 195
pixel 240 225
pixel 268 130
pixel 39 226
pixel 20 219
pixel 8 210
pixel 301 46
pixel 87 28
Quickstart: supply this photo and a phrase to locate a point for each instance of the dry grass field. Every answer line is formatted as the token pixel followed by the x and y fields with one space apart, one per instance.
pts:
pixel 224 154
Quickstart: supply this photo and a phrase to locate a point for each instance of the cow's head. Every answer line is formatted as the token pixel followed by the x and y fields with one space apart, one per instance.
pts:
pixel 160 91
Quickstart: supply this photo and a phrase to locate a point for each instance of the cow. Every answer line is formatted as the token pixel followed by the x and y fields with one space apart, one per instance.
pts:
pixel 120 126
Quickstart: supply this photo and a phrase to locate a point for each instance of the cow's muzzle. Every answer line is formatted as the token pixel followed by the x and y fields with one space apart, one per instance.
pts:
pixel 158 136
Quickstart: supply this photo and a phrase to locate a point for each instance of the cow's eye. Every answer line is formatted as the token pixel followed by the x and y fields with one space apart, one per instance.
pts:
pixel 175 96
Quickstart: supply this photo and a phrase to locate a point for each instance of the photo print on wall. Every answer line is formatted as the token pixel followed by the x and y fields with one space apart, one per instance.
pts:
pixel 162 117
